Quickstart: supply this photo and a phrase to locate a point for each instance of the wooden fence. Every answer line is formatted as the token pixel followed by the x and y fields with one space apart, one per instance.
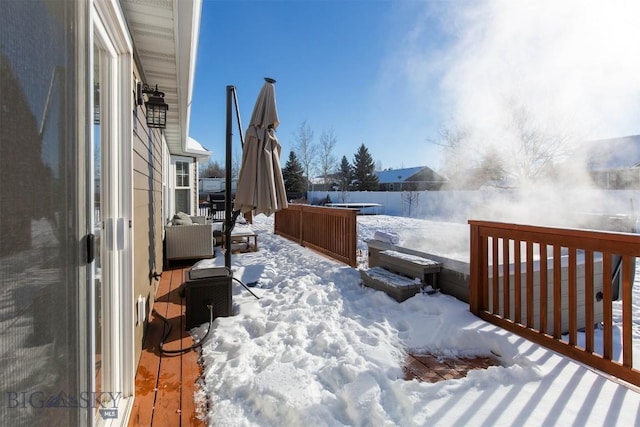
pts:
pixel 330 231
pixel 584 271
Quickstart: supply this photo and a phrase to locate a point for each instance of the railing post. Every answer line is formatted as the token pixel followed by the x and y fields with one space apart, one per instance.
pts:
pixel 475 279
pixel 353 259
pixel 301 219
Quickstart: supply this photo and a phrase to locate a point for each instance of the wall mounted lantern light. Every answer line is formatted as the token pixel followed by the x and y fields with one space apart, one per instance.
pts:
pixel 156 107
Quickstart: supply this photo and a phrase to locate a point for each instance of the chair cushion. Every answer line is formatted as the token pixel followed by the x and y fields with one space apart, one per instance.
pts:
pixel 181 218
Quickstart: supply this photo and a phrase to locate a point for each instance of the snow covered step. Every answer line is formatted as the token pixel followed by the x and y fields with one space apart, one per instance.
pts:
pixel 412 266
pixel 396 286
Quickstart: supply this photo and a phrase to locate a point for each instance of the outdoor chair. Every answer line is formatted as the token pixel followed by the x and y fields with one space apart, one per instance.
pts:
pixel 193 240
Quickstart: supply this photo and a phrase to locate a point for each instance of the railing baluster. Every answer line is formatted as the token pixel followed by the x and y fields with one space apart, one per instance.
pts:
pixel 588 301
pixel 517 280
pixel 495 264
pixel 543 287
pixel 573 299
pixel 607 315
pixel 484 248
pixel 505 279
pixel 557 291
pixel 627 311
pixel 529 294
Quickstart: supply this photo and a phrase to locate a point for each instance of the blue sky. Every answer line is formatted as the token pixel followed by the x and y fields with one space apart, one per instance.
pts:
pixel 334 66
pixel 389 74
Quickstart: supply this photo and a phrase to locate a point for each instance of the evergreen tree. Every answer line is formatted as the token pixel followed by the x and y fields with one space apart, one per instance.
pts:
pixel 294 181
pixel 344 174
pixel 364 171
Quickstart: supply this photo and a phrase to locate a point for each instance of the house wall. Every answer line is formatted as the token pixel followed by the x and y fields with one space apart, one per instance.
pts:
pixel 147 147
pixel 424 179
pixel 620 179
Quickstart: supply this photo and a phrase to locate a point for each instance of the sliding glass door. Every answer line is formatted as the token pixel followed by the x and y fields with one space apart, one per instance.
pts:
pixel 110 199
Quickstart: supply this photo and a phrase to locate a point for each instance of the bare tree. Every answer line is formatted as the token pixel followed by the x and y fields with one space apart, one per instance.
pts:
pixel 236 163
pixel 536 147
pixel 461 156
pixel 522 150
pixel 305 149
pixel 211 170
pixel 328 161
pixel 409 198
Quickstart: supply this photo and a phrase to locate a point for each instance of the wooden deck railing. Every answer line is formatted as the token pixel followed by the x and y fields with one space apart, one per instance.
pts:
pixel 583 271
pixel 330 231
pixel 205 210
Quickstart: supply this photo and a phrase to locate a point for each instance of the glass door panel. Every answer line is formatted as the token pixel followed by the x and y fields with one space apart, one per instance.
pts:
pixel 105 266
pixel 98 226
pixel 42 300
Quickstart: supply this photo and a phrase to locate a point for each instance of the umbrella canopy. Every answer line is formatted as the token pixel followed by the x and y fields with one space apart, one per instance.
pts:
pixel 260 184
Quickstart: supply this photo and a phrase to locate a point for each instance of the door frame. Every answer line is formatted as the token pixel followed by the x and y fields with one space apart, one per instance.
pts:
pixel 110 29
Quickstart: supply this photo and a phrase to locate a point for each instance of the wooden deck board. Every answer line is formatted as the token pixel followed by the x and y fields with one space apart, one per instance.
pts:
pixel 165 384
pixel 146 378
pixel 433 369
pixel 191 371
pixel 167 407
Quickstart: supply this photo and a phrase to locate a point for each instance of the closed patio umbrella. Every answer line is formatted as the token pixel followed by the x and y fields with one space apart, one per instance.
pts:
pixel 260 184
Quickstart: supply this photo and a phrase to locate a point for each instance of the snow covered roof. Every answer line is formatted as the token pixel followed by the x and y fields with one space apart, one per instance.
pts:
pixel 196 149
pixel 398 175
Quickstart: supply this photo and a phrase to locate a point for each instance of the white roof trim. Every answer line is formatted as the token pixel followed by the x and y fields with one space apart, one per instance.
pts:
pixel 196 149
pixel 165 35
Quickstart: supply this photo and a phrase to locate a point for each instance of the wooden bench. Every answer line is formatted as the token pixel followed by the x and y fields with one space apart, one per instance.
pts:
pixel 412 266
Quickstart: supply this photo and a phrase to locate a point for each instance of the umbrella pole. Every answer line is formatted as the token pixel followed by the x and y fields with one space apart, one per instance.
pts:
pixel 227 199
pixel 229 216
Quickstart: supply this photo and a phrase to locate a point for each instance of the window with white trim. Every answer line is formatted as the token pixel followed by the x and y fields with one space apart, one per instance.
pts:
pixel 183 188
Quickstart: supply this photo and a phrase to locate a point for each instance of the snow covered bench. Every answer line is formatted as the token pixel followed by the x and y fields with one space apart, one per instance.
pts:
pixel 401 275
pixel 412 266
pixel 398 287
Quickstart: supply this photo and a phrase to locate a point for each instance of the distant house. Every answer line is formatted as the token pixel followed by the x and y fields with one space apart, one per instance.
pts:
pixel 410 179
pixel 615 163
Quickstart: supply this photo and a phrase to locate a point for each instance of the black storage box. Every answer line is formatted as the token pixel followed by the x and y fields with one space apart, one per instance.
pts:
pixel 203 287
